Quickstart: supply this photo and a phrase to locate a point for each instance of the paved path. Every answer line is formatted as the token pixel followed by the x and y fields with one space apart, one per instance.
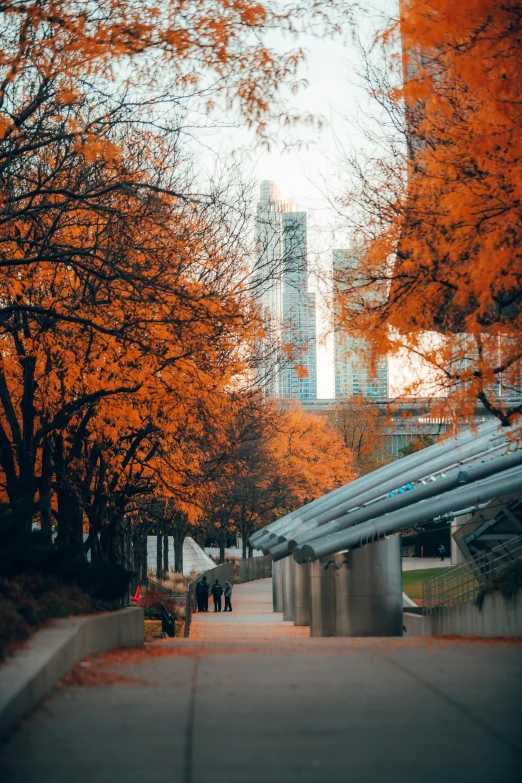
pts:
pixel 252 618
pixel 420 563
pixel 279 710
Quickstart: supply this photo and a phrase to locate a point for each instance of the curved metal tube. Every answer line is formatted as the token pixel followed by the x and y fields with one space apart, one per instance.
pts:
pixel 375 478
pixel 419 492
pixel 492 463
pixel 452 501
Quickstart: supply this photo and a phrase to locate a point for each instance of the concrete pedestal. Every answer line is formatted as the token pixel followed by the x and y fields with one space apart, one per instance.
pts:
pixel 369 599
pixel 288 588
pixel 342 595
pixel 322 598
pixel 277 585
pixel 301 594
pixel 457 558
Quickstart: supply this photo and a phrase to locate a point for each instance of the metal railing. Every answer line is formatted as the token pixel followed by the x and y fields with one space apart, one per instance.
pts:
pixel 255 568
pixel 158 588
pixel 463 582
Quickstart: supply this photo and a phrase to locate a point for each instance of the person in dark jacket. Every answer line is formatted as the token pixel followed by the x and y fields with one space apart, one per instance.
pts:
pixel 217 592
pixel 199 597
pixel 228 596
pixel 202 595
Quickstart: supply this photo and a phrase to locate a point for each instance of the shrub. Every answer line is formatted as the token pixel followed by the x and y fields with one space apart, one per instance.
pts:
pixel 151 602
pixel 32 555
pixel 508 583
pixel 31 599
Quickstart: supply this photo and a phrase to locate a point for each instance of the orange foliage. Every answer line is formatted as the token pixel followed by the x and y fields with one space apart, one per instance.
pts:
pixel 363 430
pixel 279 458
pixel 124 324
pixel 451 217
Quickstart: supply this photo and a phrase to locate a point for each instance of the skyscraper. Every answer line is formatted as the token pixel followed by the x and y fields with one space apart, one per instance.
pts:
pixel 280 284
pixel 357 372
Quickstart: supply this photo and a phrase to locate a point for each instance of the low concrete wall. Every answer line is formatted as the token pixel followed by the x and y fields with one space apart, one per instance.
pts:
pixel 27 677
pixel 498 617
pixel 415 624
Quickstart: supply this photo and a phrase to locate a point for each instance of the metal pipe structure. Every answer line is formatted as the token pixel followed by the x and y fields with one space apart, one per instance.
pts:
pixel 322 599
pixel 455 458
pixel 420 492
pixel 371 480
pixel 395 521
pixel 288 589
pixel 288 521
pixel 277 586
pixel 301 594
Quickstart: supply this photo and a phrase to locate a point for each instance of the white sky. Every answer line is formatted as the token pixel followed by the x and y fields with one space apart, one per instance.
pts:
pixel 308 173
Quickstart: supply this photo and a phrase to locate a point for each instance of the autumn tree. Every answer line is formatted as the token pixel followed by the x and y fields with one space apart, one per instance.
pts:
pixel 363 428
pixel 437 217
pixel 283 458
pixel 123 320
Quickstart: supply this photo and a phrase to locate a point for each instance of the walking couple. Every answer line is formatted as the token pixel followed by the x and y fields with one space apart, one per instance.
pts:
pixel 217 591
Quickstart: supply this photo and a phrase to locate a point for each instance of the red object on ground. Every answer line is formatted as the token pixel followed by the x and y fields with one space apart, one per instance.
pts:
pixel 136 596
pixel 422 551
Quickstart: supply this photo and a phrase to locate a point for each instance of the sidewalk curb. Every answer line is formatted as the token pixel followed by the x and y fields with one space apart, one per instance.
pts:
pixel 33 671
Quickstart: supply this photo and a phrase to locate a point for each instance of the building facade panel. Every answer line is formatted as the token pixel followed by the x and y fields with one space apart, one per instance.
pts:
pixel 357 371
pixel 288 354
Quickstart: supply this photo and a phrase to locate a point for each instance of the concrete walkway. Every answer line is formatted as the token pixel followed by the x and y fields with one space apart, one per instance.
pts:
pixel 252 619
pixel 421 563
pixel 248 700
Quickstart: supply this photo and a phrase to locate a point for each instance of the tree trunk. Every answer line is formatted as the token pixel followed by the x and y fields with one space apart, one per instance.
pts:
pixel 27 453
pixel 113 545
pixel 129 558
pixel 222 545
pixel 178 550
pixel 159 554
pixel 144 556
pixel 165 553
pixel 136 556
pixel 250 550
pixel 70 517
pixel 45 491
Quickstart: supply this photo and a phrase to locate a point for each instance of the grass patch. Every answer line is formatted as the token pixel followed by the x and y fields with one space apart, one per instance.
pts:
pixel 412 580
pixel 152 629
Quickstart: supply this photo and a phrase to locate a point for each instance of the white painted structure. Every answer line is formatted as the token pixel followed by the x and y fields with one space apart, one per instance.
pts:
pixel 195 559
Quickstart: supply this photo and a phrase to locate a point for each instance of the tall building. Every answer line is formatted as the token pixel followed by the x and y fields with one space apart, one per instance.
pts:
pixel 357 372
pixel 280 284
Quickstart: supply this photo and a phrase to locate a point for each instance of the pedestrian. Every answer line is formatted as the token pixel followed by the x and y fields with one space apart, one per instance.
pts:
pixel 199 596
pixel 217 592
pixel 205 593
pixel 228 596
pixel 202 595
pixel 442 550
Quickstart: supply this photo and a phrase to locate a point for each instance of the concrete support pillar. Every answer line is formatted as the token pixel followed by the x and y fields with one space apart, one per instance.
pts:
pixel 288 588
pixel 374 590
pixel 277 585
pixel 322 598
pixel 301 594
pixel 457 558
pixel 342 594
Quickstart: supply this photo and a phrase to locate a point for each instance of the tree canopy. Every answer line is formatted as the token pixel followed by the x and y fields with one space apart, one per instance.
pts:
pixel 439 214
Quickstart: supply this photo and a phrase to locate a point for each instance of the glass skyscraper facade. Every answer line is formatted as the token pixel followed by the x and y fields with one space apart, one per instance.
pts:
pixel 288 365
pixel 357 372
